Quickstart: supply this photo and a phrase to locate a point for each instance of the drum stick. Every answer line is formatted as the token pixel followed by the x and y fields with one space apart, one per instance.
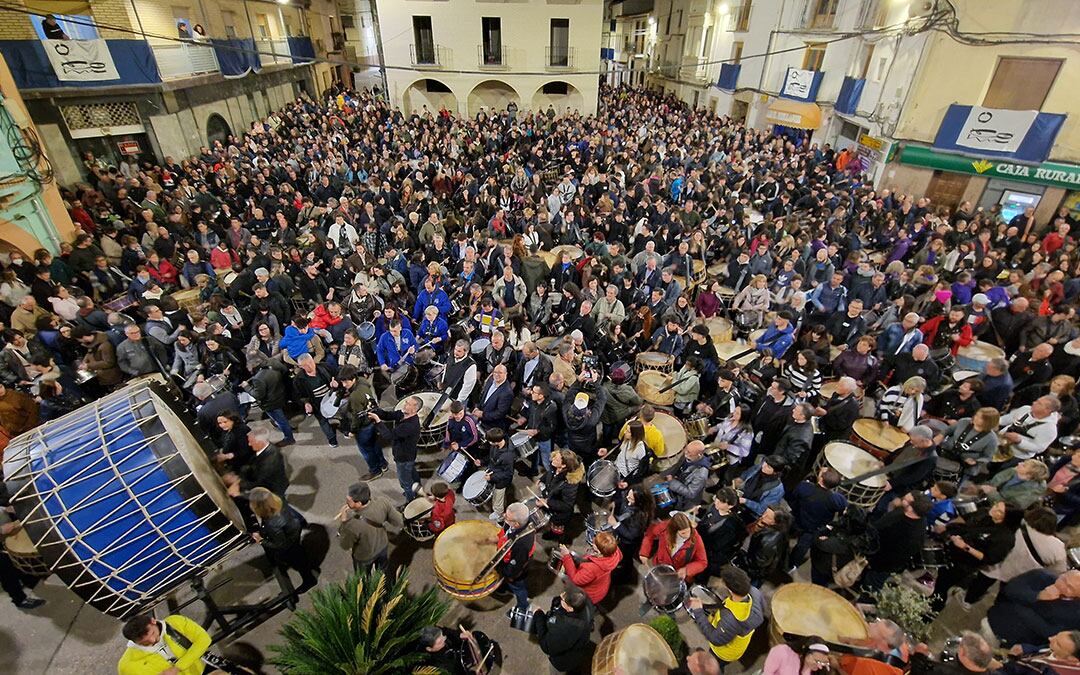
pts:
pixel 529 529
pixel 675 384
pixel 531 492
pixel 463 451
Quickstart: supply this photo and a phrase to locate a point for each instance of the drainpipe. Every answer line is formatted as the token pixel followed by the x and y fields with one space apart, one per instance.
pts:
pixel 379 47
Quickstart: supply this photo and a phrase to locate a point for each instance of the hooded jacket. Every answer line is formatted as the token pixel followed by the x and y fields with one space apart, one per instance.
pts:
pixel 593 574
pixel 581 424
pixel 727 633
pixel 560 492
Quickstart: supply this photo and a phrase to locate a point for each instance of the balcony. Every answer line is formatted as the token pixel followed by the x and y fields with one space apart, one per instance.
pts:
pixel 177 60
pixel 428 55
pixel 274 51
pixel 559 58
pixel 495 57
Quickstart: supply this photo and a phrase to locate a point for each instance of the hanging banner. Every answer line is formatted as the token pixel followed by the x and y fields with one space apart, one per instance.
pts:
pixel 847 101
pixel 801 85
pixel 729 76
pixel 1023 135
pixel 80 60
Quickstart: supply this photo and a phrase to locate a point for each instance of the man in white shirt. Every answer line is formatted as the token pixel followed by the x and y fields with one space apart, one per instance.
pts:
pixel 1030 429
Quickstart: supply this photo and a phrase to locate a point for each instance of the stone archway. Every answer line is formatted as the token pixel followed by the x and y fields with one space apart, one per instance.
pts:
pixel 559 94
pixel 217 129
pixel 430 93
pixel 492 95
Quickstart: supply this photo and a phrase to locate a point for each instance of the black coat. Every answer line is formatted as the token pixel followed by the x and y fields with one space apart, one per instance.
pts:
pixel 561 496
pixel 766 552
pixel 403 437
pixel 267 386
pixel 266 469
pixel 501 465
pixel 563 636
pixel 794 443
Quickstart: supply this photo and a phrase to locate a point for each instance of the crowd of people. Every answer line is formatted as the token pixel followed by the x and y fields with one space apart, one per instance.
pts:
pixel 342 257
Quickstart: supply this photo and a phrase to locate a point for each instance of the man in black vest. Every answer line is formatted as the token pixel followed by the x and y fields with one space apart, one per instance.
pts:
pixel 460 375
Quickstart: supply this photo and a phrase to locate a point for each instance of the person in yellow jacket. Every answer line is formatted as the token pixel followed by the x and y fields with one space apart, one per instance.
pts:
pixel 729 628
pixel 174 646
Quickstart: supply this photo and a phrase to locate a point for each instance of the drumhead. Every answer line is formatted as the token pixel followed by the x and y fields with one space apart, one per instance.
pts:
pixel 428 400
pixel 807 609
pixel 673 432
pixel 462 550
pixel 850 461
pixel 20 544
pixel 663 587
pixel 520 438
pixel 417 508
pixel 474 485
pixel 479 345
pixel 983 351
pixel 879 434
pixel 638 648
pixel 654 358
pixel 602 476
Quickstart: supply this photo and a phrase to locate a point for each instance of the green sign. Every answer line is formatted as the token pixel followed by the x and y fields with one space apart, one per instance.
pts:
pixel 1048 173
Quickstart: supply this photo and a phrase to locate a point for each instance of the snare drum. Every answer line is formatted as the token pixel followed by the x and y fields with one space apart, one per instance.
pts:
pixel 454 467
pixel 477 489
pixel 460 554
pixel 947 470
pixel 697 428
pixel 674 441
pixel 650 386
pixel 595 523
pixel 850 462
pixel 555 560
pixel 976 355
pixel 663 588
pixel 24 555
pixel 602 478
pixel 877 437
pixel 662 496
pixel 480 345
pixel 665 363
pixel 417 515
pixel 522 619
pixel 403 377
pixel 522 442
pixel 539 517
pixel 934 556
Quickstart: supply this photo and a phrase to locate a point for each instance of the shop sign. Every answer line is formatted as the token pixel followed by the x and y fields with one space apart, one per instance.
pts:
pixel 1053 174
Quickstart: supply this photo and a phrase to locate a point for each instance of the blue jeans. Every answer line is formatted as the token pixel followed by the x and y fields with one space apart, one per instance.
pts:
pixel 407 475
pixel 277 416
pixel 328 431
pixel 368 443
pixel 521 593
pixel 543 455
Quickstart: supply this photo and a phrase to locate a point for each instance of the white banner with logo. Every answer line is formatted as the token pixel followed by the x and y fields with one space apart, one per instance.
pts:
pixel 81 60
pixel 995 129
pixel 797 84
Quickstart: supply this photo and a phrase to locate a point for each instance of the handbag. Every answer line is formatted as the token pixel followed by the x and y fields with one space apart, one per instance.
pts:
pixel 848 575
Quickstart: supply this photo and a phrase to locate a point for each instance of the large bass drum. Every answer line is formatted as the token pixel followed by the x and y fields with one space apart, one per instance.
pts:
pixel 120 501
pixel 460 553
pixel 636 649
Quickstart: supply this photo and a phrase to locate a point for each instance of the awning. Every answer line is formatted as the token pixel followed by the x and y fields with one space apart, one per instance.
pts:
pixel 797 114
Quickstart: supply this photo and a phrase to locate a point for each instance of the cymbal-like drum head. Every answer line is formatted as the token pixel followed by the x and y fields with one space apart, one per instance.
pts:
pixel 121 501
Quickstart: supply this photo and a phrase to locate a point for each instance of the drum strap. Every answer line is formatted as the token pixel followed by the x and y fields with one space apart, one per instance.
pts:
pixel 1030 545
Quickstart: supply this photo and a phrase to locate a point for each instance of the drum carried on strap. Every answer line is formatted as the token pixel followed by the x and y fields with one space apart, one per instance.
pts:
pixel 431 435
pixel 24 556
pixel 460 554
pixel 651 385
pixel 602 478
pixel 417 516
pixel 850 462
pixel 674 441
pixel 477 489
pixel 638 648
pixel 120 500
pixel 665 363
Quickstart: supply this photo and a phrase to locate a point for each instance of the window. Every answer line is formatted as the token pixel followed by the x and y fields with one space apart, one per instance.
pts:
pixel 229 19
pixel 1021 83
pixel 705 44
pixel 814 57
pixel 861 68
pixel 559 42
pixel 560 88
pixel 736 52
pixel 75 26
pixel 262 23
pixel 347 21
pixel 424 40
pixel 491 28
pixel 742 16
pixel 824 13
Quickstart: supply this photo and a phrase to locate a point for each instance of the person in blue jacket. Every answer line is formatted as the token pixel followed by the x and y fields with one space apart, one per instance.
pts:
pixel 431 295
pixel 433 331
pixel 777 337
pixel 761 485
pixel 397 344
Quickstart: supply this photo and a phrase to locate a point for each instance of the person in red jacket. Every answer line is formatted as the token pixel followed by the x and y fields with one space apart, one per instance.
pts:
pixel 951 331
pixel 442 513
pixel 677 544
pixel 593 574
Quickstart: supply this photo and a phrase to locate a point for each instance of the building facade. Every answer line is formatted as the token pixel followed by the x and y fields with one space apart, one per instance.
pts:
pixel 187 73
pixel 464 55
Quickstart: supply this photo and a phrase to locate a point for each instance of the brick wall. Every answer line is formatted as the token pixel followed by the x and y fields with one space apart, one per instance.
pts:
pixel 15 25
pixel 114 13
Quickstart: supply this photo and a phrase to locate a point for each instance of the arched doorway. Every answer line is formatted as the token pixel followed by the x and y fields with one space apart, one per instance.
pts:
pixel 217 129
pixel 430 93
pixel 494 95
pixel 558 94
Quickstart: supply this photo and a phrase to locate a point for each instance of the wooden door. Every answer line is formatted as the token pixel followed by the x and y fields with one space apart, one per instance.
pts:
pixel 947 188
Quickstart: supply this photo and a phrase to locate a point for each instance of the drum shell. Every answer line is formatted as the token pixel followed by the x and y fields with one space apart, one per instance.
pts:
pixel 84 486
pixel 460 551
pixel 697 427
pixel 477 490
pixel 948 470
pixel 523 444
pixel 674 441
pixel 453 467
pixel 595 523
pixel 602 468
pixel 976 355
pixel 658 361
pixel 934 556
pixel 638 648
pixel 24 556
pixel 649 385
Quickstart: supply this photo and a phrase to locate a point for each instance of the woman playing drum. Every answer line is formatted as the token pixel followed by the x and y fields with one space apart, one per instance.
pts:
pixel 630 457
pixel 676 543
pixel 558 490
pixel 593 574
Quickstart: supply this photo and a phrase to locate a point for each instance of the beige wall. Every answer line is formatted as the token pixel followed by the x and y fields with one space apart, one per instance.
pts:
pixel 956 73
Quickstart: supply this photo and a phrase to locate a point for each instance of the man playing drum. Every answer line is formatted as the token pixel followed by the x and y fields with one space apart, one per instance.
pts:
pixel 729 628
pixel 519 546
